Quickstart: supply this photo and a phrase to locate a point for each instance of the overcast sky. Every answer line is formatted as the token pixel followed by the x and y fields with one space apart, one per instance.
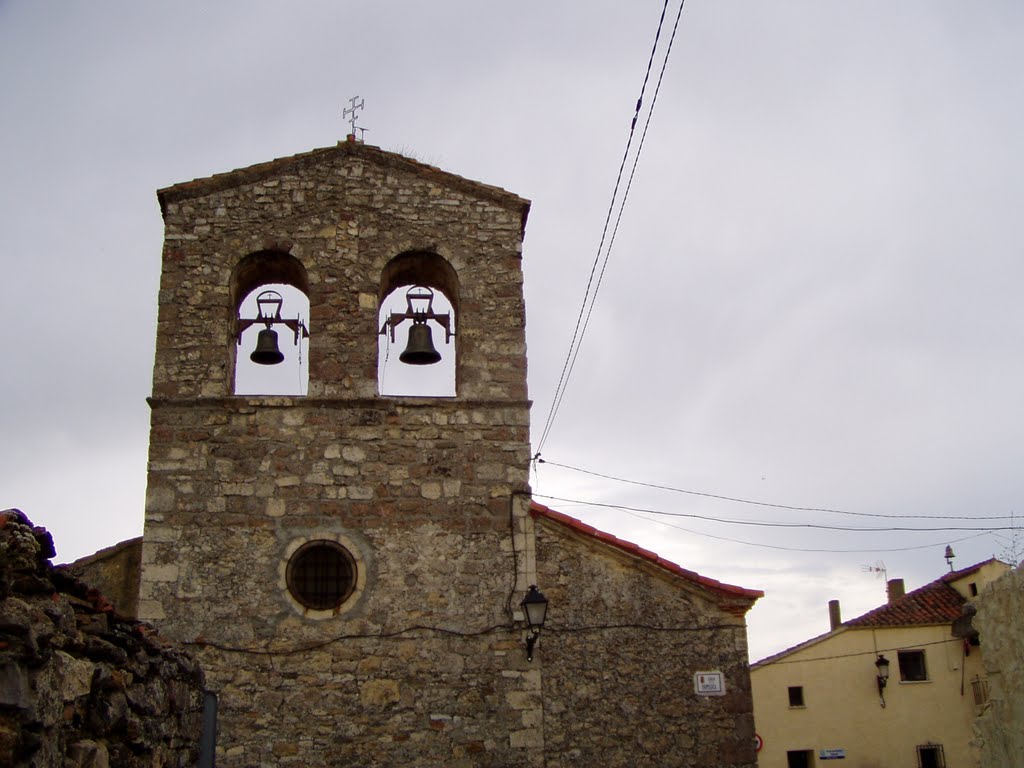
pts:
pixel 813 300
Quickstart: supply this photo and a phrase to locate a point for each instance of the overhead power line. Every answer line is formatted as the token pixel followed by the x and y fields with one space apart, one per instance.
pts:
pixel 808 550
pixel 874 652
pixel 775 524
pixel 738 500
pixel 805 550
pixel 590 297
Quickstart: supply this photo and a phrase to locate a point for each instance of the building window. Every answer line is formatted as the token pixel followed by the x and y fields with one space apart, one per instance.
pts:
pixel 321 575
pixel 979 686
pixel 973 587
pixel 800 758
pixel 796 696
pixel 912 668
pixel 931 756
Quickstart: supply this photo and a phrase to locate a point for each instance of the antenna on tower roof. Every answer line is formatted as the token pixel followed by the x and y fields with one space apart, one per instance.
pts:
pixel 349 113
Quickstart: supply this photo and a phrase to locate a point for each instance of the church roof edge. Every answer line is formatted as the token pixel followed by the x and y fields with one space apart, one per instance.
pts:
pixel 219 181
pixel 541 511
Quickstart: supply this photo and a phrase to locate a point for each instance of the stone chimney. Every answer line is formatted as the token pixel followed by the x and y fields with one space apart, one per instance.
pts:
pixel 834 617
pixel 895 589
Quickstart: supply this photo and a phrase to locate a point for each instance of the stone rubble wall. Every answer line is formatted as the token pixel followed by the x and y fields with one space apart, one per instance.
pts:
pixel 423 665
pixel 81 687
pixel 620 650
pixel 344 214
pixel 999 730
pixel 115 571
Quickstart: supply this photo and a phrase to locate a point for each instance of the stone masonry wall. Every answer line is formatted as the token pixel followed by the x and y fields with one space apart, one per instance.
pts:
pixel 423 664
pixel 344 213
pixel 620 649
pixel 114 571
pixel 999 731
pixel 80 687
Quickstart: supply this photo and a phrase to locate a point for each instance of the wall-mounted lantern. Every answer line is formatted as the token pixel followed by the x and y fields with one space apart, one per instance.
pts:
pixel 535 606
pixel 268 312
pixel 882 675
pixel 419 350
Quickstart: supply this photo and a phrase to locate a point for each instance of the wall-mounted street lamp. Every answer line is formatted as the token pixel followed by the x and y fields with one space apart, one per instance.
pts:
pixel 535 606
pixel 419 349
pixel 268 312
pixel 882 665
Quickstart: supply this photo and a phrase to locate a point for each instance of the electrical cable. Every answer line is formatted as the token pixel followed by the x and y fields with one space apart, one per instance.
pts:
pixel 582 629
pixel 766 662
pixel 364 636
pixel 625 196
pixel 577 335
pixel 769 504
pixel 773 524
pixel 809 550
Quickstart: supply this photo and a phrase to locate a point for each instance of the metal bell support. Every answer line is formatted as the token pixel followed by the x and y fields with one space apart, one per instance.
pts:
pixel 419 349
pixel 268 312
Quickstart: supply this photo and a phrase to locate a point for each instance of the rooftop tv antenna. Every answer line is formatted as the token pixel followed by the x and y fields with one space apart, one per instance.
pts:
pixel 349 113
pixel 878 567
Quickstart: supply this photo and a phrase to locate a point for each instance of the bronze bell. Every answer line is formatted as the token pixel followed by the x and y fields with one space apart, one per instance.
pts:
pixel 266 352
pixel 420 348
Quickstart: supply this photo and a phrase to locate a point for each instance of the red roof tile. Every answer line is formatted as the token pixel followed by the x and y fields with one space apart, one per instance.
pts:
pixel 934 603
pixel 728 590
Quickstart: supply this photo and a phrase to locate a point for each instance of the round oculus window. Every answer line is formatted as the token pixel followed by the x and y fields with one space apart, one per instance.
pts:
pixel 321 575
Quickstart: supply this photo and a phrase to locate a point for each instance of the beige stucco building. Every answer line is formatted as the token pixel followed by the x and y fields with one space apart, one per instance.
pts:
pixel 820 702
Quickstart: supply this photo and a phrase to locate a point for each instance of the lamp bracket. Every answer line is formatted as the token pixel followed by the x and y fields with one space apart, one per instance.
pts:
pixel 531 641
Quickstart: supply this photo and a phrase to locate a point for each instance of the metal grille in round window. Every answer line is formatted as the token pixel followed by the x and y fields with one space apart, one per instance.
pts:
pixel 321 575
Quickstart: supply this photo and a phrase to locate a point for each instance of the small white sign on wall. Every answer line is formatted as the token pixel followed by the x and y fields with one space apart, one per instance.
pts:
pixel 709 683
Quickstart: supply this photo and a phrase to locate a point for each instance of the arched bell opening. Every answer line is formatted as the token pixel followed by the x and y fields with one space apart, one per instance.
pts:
pixel 269 346
pixel 417 318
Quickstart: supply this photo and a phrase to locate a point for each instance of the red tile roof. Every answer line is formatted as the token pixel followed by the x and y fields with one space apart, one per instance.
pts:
pixel 934 603
pixel 718 587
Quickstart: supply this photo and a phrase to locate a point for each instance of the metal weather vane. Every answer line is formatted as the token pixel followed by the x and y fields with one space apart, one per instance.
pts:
pixel 349 113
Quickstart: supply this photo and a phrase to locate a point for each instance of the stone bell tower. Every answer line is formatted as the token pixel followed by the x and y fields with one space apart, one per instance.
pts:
pixel 347 565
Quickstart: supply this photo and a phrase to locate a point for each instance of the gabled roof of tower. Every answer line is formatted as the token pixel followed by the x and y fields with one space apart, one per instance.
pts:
pixel 578 526
pixel 261 171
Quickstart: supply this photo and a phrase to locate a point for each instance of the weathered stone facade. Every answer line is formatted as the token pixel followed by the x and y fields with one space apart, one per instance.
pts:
pixel 999 730
pixel 115 571
pixel 626 634
pixel 81 687
pixel 423 664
